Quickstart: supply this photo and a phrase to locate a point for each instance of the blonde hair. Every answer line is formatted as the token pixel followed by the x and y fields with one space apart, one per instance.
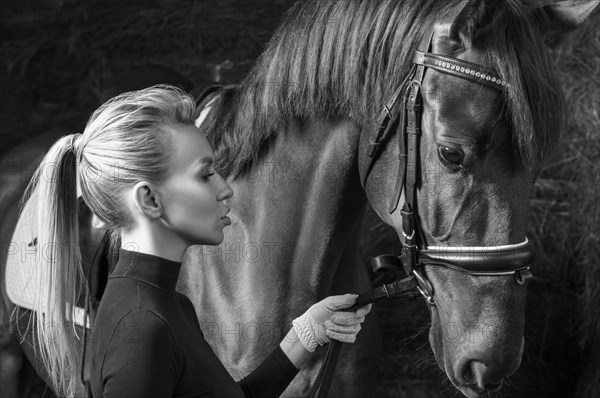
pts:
pixel 124 142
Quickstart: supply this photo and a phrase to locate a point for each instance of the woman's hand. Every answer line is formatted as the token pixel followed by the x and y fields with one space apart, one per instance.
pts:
pixel 322 322
pixel 326 320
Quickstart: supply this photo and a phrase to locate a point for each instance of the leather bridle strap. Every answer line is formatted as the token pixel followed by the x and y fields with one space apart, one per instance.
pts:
pixel 402 154
pixel 411 232
pixel 485 260
pixel 387 124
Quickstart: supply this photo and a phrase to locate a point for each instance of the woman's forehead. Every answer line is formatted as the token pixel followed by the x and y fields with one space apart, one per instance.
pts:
pixel 190 145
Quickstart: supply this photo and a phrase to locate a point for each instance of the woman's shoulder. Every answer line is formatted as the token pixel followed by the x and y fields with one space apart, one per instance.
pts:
pixel 185 301
pixel 136 326
pixel 141 326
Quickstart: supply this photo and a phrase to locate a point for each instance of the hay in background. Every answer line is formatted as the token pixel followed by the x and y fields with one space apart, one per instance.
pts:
pixel 579 66
pixel 55 56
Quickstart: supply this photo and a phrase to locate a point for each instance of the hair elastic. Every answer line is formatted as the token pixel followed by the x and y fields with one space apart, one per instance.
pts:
pixel 72 142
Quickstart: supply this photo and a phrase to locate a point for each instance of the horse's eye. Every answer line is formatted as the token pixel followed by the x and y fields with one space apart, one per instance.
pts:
pixel 451 156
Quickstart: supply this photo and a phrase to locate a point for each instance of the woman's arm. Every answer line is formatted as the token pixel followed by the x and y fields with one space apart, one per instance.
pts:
pixel 293 348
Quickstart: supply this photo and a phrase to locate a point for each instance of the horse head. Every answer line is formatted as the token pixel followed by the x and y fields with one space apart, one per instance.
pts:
pixel 478 152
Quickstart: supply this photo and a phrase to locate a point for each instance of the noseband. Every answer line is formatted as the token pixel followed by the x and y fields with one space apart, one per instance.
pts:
pixel 402 114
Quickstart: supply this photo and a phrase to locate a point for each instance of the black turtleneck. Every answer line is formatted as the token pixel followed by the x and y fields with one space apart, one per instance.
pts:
pixel 147 341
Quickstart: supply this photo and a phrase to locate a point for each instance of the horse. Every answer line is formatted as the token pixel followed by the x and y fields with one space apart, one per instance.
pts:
pixel 293 142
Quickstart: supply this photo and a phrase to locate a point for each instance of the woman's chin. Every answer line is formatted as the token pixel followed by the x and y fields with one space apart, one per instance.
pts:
pixel 216 239
pixel 220 239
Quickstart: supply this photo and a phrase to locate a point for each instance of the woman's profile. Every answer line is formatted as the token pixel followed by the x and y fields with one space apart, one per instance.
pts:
pixel 147 172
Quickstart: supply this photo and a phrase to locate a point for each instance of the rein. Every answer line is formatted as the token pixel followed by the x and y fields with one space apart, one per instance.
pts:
pixel 402 114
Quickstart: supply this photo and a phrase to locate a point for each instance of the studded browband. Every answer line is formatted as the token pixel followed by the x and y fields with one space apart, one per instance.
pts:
pixel 458 67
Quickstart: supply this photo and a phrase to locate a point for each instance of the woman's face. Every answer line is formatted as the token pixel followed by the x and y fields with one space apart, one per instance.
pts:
pixel 193 195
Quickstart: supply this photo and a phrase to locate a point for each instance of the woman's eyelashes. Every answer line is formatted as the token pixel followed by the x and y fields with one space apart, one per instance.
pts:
pixel 206 171
pixel 206 176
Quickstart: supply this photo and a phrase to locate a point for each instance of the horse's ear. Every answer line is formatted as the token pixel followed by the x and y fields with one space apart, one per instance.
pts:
pixel 564 17
pixel 475 17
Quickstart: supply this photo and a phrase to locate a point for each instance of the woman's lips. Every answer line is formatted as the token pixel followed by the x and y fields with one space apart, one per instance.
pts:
pixel 226 220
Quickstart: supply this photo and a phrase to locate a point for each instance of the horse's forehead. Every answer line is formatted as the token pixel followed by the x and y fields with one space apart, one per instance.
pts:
pixel 460 105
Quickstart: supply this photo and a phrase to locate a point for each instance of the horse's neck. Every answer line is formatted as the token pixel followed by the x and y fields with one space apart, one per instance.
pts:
pixel 305 195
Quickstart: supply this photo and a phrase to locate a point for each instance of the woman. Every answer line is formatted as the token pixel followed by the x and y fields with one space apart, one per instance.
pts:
pixel 147 172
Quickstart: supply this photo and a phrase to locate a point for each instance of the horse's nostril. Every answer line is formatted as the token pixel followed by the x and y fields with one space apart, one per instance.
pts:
pixel 468 375
pixel 476 375
pixel 486 377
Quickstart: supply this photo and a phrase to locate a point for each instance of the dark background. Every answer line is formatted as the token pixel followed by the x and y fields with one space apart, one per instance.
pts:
pixel 56 57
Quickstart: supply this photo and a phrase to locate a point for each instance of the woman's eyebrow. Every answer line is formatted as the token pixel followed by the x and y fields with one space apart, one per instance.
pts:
pixel 204 162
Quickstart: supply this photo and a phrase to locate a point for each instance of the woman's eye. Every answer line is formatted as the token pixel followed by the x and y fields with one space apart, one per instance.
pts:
pixel 206 176
pixel 451 156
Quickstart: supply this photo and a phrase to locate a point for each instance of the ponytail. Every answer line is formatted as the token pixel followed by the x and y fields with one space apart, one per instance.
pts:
pixel 59 273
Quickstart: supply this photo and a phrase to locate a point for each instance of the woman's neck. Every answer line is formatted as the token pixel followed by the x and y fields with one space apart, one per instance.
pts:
pixel 148 241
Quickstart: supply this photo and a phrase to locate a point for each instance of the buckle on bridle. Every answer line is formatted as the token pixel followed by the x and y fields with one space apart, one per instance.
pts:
pixel 411 237
pixel 523 276
pixel 424 287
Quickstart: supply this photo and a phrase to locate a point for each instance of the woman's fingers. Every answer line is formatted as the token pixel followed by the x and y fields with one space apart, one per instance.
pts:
pixel 351 329
pixel 351 317
pixel 344 326
pixel 335 303
pixel 346 318
pixel 344 338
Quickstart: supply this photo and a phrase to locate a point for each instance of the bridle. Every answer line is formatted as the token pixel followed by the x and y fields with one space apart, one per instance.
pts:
pixel 402 114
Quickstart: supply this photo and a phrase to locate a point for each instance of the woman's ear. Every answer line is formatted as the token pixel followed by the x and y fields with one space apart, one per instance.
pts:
pixel 564 17
pixel 146 200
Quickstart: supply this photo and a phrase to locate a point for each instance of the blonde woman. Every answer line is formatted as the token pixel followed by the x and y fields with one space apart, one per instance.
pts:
pixel 147 172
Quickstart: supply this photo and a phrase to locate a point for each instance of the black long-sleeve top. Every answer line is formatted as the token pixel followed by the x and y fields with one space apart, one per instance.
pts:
pixel 147 341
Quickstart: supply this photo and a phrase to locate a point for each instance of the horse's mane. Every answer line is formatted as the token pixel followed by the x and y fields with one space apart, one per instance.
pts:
pixel 347 57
